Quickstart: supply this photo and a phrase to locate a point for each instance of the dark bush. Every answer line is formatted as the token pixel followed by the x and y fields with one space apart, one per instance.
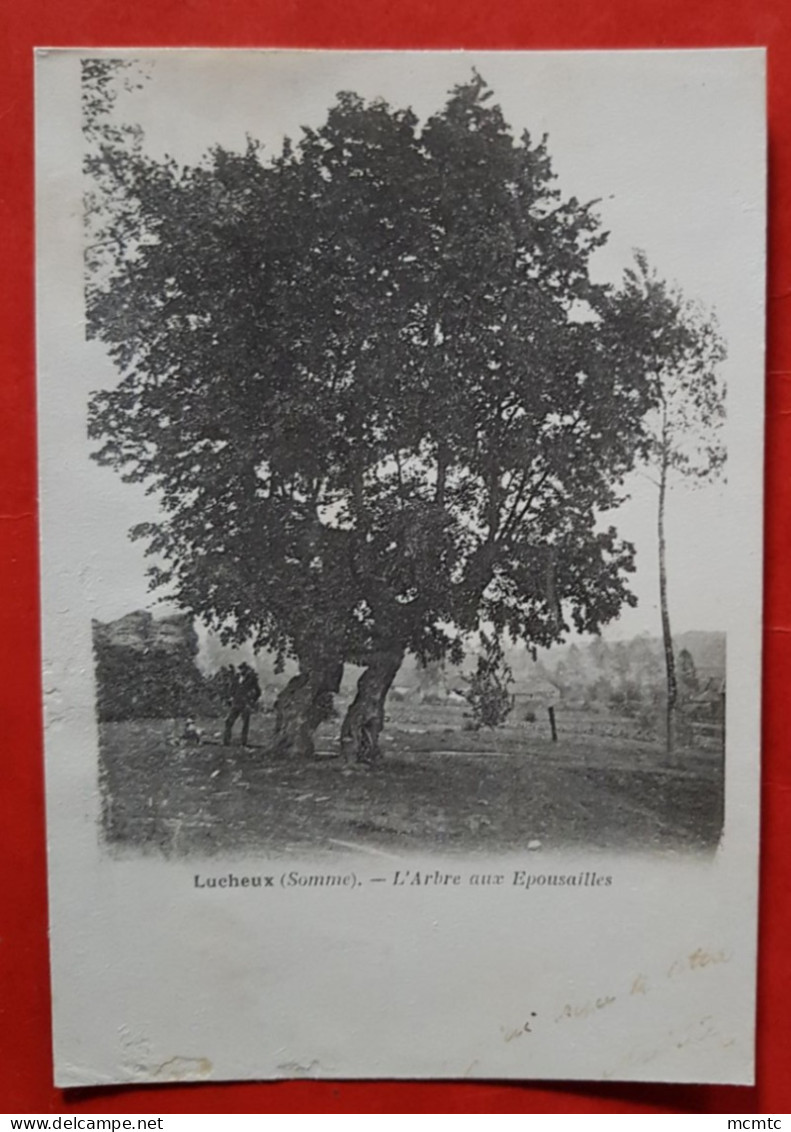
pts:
pixel 150 684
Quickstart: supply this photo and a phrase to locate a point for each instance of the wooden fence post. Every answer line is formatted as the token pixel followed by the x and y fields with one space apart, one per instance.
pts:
pixel 552 725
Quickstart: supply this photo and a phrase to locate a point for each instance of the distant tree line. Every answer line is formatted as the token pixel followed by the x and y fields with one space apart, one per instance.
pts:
pixel 628 678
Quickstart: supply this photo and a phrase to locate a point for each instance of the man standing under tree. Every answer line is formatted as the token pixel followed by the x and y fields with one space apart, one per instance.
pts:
pixel 243 694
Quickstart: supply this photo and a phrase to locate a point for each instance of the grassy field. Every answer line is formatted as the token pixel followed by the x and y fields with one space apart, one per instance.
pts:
pixel 437 788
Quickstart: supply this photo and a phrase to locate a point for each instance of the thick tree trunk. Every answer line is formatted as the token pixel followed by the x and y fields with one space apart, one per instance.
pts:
pixel 365 717
pixel 304 703
pixel 667 637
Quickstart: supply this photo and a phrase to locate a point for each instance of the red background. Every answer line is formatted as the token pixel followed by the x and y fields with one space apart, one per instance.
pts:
pixel 25 1066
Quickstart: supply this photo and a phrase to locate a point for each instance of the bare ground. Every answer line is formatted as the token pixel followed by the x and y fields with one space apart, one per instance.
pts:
pixel 437 788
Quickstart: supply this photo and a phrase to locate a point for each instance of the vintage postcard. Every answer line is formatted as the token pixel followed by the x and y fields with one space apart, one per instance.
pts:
pixel 401 423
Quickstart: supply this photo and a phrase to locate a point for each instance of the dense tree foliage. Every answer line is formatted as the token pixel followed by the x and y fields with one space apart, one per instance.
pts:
pixel 373 386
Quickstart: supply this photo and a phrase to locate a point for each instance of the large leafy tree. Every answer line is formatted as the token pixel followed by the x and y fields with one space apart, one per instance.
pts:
pixel 519 411
pixel 250 308
pixel 375 390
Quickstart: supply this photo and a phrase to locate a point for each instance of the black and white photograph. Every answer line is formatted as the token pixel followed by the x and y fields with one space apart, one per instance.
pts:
pixel 401 481
pixel 431 469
